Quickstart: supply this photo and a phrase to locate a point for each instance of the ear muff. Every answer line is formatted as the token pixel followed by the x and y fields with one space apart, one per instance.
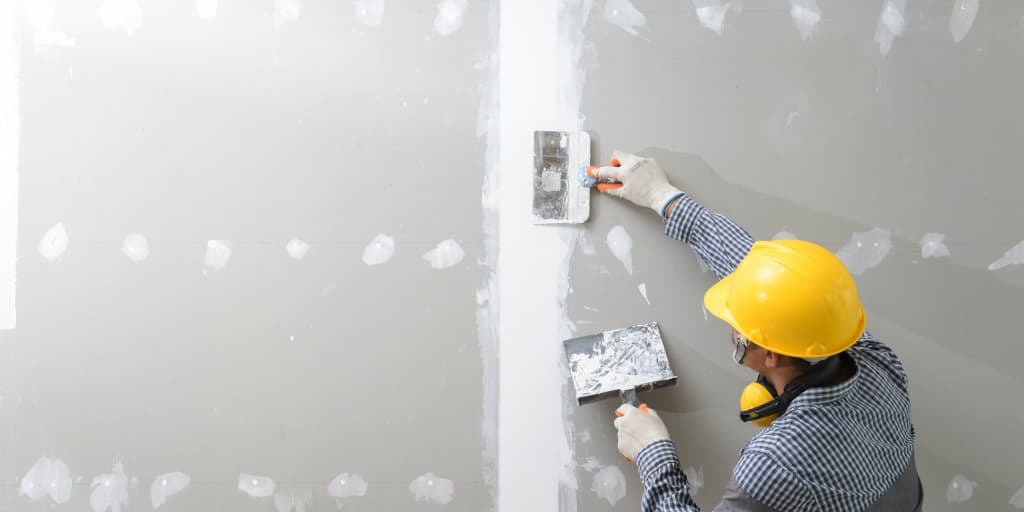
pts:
pixel 759 403
pixel 756 395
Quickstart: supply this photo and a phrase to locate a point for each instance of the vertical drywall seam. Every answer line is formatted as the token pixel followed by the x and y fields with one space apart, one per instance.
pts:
pixel 9 139
pixel 538 89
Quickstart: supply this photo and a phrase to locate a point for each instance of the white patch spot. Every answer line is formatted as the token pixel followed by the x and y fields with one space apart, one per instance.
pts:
pixel 621 245
pixel 447 254
pixel 587 244
pixel 705 310
pixel 962 19
pixel 711 14
pixel 585 438
pixel 125 15
pixel 1017 500
pixel 286 11
pixel 791 117
pixel 643 291
pixel 432 488
pixel 39 15
pixel 623 14
pixel 369 12
pixel 933 246
pixel 1015 256
pixel 206 9
pixel 109 491
pixel 450 14
pixel 960 489
pixel 610 484
pixel 379 250
pixel 865 250
pixel 218 253
pixel 54 242
pixel 135 247
pixel 166 485
pixel 591 465
pixel 297 249
pixel 256 486
pixel 891 24
pixel 293 503
pixel 347 485
pixel 784 235
pixel 47 477
pixel 695 476
pixel 806 15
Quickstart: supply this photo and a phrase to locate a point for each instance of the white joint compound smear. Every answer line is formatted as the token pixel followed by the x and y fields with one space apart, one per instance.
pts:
pixel 297 249
pixel 256 486
pixel 784 235
pixel 124 15
pixel 933 246
pixel 379 250
pixel 806 15
pixel 962 19
pixel 39 15
pixel 10 134
pixel 432 489
pixel 865 250
pixel 625 15
pixel 135 247
pixel 711 14
pixel 1015 256
pixel 369 12
pixel 292 502
pixel 643 291
pixel 218 253
pixel 47 477
pixel 621 245
pixel 347 485
pixel 109 491
pixel 286 11
pixel 54 242
pixel 447 254
pixel 166 485
pixel 450 14
pixel 1017 500
pixel 891 24
pixel 695 476
pixel 960 489
pixel 610 484
pixel 591 464
pixel 206 9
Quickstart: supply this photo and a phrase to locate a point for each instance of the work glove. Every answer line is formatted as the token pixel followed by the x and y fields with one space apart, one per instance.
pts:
pixel 643 181
pixel 638 429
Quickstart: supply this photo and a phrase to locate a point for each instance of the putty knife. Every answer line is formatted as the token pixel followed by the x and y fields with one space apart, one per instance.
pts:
pixel 558 196
pixel 620 362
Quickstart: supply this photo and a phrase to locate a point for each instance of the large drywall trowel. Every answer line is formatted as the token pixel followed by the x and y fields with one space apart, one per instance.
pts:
pixel 622 362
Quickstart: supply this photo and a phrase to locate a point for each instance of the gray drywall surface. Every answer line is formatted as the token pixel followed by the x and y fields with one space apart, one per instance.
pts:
pixel 823 138
pixel 252 127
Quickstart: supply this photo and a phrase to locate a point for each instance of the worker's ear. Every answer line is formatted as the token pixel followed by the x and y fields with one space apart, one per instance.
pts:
pixel 771 359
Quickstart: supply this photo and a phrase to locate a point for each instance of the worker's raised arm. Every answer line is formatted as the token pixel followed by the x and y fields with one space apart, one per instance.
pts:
pixel 717 240
pixel 720 242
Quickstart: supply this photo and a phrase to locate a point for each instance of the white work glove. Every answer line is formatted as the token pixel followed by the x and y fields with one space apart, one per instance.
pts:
pixel 638 429
pixel 643 181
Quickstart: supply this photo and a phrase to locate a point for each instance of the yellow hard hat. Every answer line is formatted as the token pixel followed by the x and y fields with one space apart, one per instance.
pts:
pixel 792 297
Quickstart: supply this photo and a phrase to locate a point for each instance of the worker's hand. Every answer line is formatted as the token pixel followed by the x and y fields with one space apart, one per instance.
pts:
pixel 643 181
pixel 638 430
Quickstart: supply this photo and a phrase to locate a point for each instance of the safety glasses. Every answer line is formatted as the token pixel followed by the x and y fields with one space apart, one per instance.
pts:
pixel 739 347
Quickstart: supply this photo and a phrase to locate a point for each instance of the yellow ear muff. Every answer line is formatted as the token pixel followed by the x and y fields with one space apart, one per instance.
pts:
pixel 756 395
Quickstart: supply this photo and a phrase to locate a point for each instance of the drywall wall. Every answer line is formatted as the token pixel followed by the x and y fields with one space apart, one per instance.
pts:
pixel 837 122
pixel 249 249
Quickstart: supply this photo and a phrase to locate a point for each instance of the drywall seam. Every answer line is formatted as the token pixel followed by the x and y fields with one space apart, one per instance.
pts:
pixel 539 86
pixel 9 140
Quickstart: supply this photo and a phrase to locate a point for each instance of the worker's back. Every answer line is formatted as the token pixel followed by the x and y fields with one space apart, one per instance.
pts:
pixel 846 447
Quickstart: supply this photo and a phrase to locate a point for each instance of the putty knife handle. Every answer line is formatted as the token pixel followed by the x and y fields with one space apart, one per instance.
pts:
pixel 629 397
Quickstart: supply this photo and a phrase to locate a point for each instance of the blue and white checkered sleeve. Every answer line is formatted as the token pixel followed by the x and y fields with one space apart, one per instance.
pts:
pixel 665 485
pixel 716 239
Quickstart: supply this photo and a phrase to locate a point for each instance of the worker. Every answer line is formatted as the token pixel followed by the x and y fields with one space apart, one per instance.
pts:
pixel 832 399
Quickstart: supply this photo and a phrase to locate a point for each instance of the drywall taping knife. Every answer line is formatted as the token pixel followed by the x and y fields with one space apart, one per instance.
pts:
pixel 619 363
pixel 590 179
